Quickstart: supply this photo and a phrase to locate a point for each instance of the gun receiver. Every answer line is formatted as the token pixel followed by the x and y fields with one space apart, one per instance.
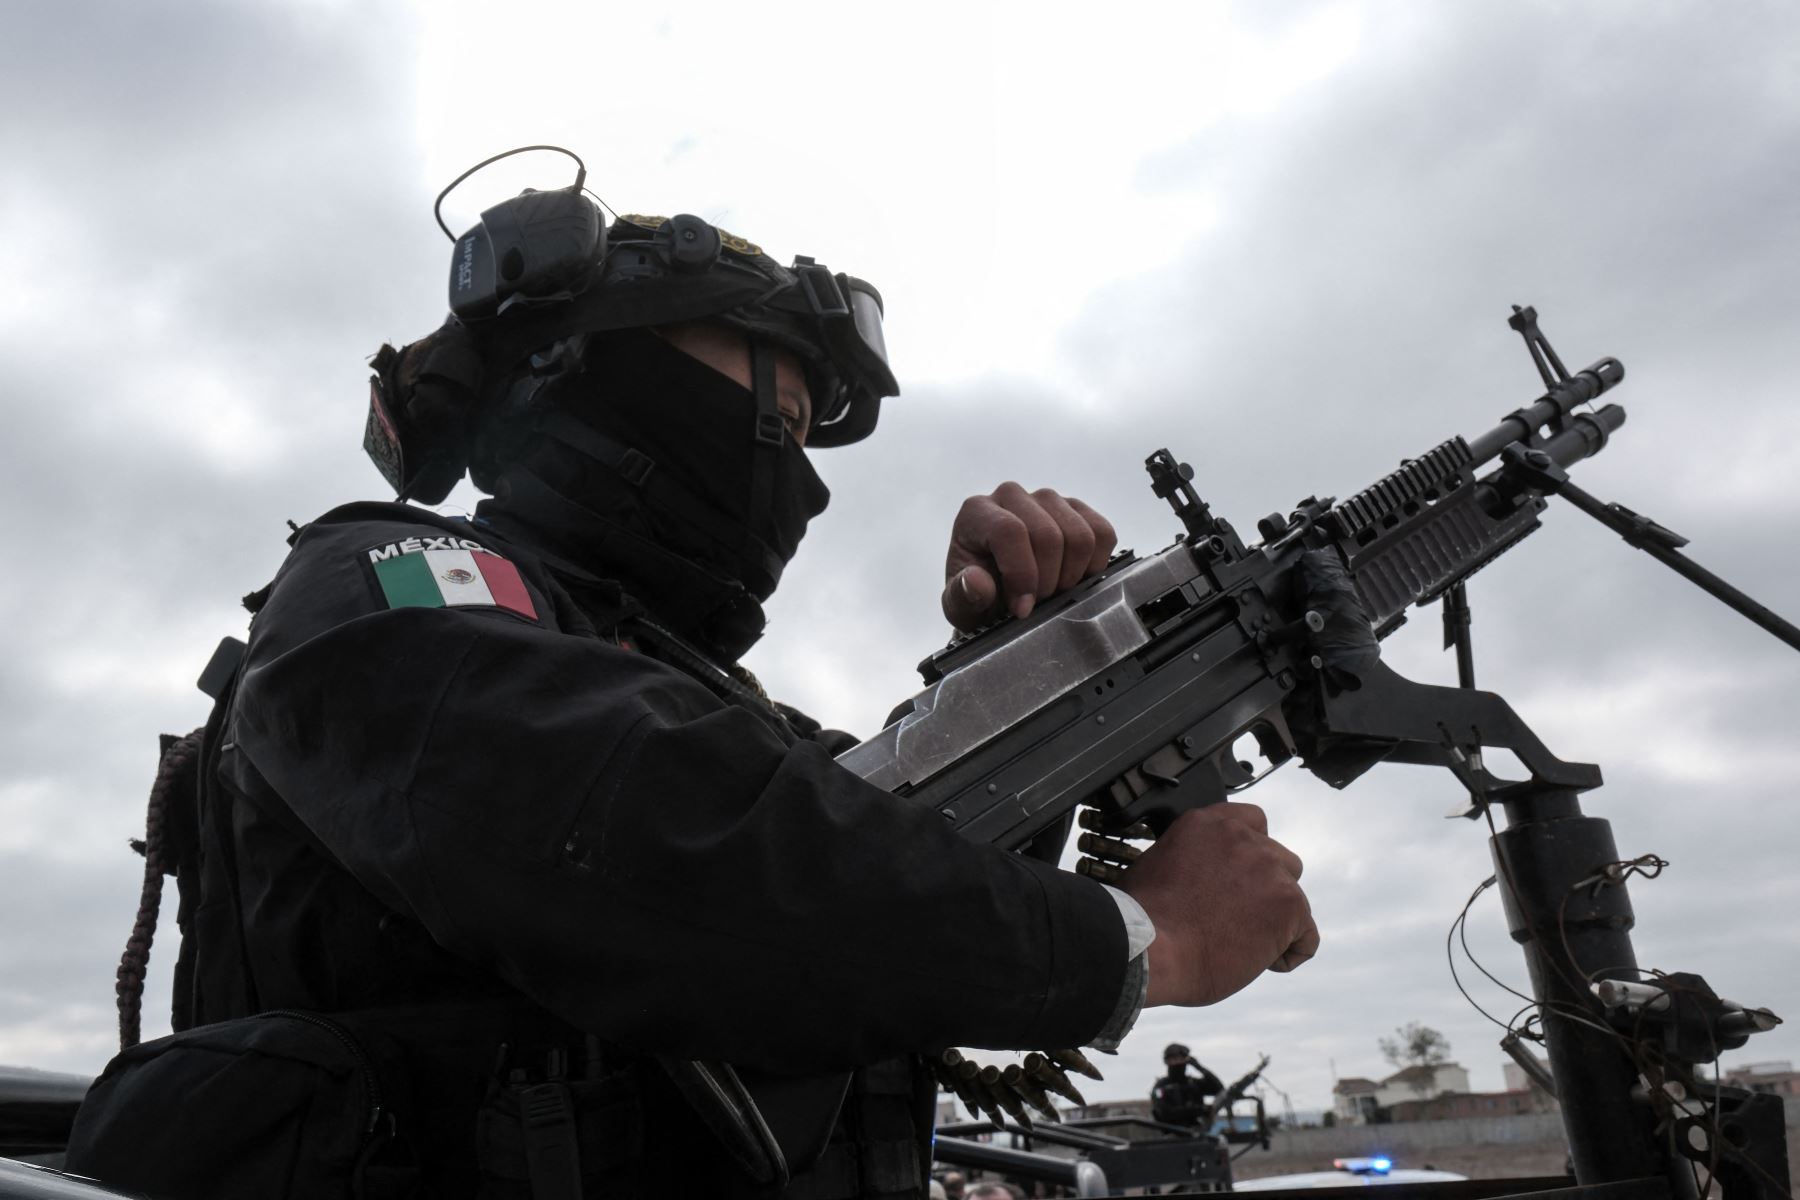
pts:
pixel 1129 692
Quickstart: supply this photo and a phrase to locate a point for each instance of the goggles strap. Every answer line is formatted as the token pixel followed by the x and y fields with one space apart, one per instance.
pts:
pixel 769 432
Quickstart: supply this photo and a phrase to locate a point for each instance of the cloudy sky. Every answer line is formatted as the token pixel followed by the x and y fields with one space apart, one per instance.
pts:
pixel 1280 239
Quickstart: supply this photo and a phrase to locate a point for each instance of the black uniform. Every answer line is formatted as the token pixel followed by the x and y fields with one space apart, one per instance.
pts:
pixel 522 800
pixel 1182 1099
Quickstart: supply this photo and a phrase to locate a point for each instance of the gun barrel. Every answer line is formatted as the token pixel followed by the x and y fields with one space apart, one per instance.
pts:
pixel 1585 436
pixel 1553 407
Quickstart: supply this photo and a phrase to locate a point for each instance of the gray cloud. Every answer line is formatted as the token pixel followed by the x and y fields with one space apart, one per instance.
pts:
pixel 215 190
pixel 1634 181
pixel 234 216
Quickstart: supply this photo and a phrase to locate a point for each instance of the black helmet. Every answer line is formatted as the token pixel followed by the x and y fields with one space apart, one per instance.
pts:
pixel 1174 1050
pixel 544 269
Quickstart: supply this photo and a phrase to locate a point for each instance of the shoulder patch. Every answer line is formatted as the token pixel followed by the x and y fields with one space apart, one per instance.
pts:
pixel 729 240
pixel 733 242
pixel 446 571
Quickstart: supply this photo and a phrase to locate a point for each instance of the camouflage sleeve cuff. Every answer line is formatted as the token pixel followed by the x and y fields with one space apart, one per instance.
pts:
pixel 1131 1003
pixel 1139 930
pixel 1139 933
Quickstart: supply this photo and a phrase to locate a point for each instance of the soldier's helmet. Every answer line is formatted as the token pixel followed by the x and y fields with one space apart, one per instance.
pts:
pixel 541 273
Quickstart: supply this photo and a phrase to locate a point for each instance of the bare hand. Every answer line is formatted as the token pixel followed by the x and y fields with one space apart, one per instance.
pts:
pixel 1013 548
pixel 1226 902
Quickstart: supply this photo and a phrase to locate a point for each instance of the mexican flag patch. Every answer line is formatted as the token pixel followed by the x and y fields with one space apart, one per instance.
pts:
pixel 442 572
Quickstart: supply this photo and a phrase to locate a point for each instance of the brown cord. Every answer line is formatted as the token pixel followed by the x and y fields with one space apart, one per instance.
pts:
pixel 177 761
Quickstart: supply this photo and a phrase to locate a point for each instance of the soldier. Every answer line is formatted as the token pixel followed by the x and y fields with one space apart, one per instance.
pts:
pixel 495 795
pixel 1179 1098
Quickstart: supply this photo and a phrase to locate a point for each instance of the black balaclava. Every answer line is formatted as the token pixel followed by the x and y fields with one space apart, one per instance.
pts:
pixel 642 470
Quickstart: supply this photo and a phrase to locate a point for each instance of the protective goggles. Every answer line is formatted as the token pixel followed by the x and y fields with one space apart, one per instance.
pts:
pixel 834 322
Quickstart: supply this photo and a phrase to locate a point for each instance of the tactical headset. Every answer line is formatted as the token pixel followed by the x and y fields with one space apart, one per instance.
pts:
pixel 544 266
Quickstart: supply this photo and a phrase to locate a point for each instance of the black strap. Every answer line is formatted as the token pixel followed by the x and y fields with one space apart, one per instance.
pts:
pixel 551 1148
pixel 629 463
pixel 667 646
pixel 213 982
pixel 767 451
pixel 216 679
pixel 645 303
pixel 660 492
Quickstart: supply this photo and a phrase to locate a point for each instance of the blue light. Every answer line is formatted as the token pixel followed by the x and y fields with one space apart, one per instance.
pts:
pixel 1379 1165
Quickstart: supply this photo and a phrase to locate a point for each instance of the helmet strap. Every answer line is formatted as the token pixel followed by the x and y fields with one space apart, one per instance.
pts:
pixel 769 433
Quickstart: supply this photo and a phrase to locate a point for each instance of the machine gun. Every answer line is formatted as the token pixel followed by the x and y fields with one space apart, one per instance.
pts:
pixel 1222 1106
pixel 1125 702
pixel 1127 695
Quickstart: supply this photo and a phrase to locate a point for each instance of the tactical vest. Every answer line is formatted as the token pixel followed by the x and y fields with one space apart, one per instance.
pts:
pixel 486 1096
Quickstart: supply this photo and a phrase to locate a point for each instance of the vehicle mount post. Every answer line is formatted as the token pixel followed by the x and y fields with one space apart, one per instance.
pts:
pixel 1574 924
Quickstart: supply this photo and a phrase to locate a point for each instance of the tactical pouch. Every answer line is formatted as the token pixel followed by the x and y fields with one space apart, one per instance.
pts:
pixel 282 1104
pixel 560 1138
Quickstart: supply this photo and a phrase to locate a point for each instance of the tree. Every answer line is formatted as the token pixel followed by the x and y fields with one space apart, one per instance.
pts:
pixel 1417 1045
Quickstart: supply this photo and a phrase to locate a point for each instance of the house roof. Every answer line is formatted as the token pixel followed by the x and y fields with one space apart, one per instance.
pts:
pixel 1353 1084
pixel 1419 1074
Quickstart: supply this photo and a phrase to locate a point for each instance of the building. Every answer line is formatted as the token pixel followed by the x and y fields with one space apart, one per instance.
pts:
pixel 1357 1101
pixel 1353 1100
pixel 1778 1077
pixel 1421 1083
